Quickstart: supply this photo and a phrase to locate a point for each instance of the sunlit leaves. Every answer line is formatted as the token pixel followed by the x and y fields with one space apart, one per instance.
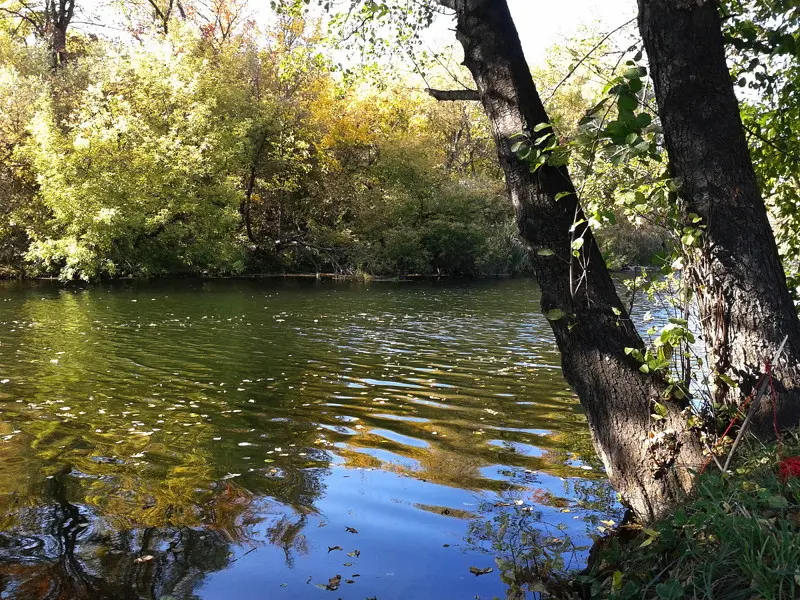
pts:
pixel 138 172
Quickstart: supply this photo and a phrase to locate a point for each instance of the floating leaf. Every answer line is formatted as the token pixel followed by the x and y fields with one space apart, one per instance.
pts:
pixel 145 558
pixel 476 571
pixel 351 529
pixel 334 583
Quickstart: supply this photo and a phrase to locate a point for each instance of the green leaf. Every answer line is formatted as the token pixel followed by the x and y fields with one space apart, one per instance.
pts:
pixel 577 244
pixel 777 502
pixel 647 542
pixel 669 590
pixel 561 195
pixel 627 103
pixel 643 120
pixel 596 107
pixel 555 314
pixel 634 73
pixel 545 252
pixel 542 126
pixel 674 185
pixel 616 581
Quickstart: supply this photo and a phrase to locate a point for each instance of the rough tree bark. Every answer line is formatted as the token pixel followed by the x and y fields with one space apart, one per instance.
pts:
pixel 646 461
pixel 745 305
pixel 59 17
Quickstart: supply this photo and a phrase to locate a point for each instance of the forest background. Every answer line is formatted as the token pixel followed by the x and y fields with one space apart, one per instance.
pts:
pixel 193 138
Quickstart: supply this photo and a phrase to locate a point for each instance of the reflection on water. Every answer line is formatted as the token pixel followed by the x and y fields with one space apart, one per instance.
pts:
pixel 254 439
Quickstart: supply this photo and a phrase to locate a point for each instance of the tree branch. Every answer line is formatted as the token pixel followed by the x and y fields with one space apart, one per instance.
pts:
pixel 454 95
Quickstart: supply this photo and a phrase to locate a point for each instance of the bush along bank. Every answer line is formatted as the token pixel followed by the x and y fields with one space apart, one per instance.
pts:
pixel 739 538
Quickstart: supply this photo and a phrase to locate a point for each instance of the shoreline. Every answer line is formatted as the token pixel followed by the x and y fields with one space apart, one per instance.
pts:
pixel 317 276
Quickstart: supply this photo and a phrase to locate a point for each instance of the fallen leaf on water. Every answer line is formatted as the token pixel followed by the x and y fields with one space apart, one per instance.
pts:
pixel 608 523
pixel 349 581
pixel 476 571
pixel 145 558
pixel 355 553
pixel 351 529
pixel 333 583
pixel 347 564
pixel 332 548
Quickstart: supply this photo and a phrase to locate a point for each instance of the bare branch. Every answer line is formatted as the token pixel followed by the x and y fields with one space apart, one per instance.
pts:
pixel 587 55
pixel 454 95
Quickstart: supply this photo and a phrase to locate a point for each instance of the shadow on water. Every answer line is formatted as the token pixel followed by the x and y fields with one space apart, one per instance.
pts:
pixel 255 439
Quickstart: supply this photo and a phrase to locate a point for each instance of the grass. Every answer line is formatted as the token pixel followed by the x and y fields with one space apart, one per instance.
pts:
pixel 738 539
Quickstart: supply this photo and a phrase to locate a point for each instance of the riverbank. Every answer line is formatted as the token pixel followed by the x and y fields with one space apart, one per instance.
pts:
pixel 740 538
pixel 625 270
pixel 354 277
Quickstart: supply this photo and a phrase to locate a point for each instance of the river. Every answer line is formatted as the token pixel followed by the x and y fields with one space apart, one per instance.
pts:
pixel 260 439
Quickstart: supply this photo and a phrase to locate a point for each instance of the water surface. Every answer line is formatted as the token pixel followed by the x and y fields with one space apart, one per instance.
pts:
pixel 253 439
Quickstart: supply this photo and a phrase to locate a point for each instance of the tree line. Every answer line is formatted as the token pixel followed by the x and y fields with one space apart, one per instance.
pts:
pixel 202 143
pixel 225 150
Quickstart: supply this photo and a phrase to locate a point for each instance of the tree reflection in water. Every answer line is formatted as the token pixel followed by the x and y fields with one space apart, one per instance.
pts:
pixel 62 550
pixel 534 551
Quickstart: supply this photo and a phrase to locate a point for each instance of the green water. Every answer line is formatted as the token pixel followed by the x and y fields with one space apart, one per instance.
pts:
pixel 217 439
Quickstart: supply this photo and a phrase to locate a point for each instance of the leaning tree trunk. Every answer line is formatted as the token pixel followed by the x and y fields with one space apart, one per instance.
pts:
pixel 745 306
pixel 647 461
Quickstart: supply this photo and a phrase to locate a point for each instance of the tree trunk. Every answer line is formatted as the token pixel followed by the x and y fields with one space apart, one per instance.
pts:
pixel 647 461
pixel 58 16
pixel 59 42
pixel 745 305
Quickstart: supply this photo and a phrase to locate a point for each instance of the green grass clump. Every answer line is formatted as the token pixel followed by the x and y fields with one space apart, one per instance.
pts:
pixel 738 539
